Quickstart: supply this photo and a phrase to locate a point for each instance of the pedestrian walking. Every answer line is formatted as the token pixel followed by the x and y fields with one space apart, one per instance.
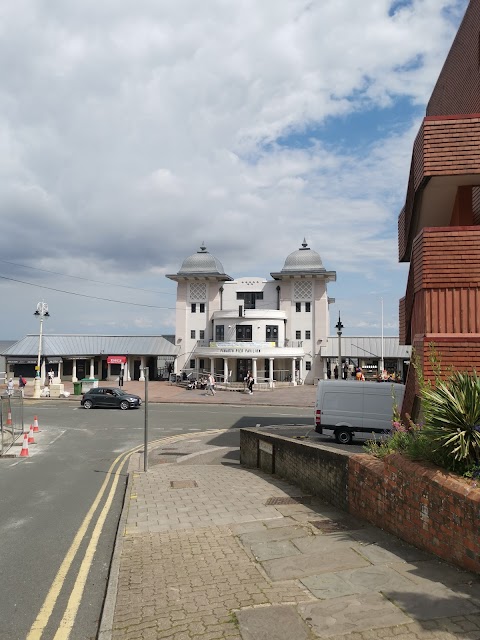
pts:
pixel 10 387
pixel 21 383
pixel 211 384
pixel 250 383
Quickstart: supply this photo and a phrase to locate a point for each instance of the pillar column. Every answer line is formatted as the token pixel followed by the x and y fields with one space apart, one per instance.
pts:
pixel 109 370
pixel 225 370
pixel 212 366
pixel 92 368
pixel 142 367
pixel 59 373
pixel 74 371
pixel 270 371
pixel 300 371
pixel 254 369
pixel 43 372
pixel 127 370
pixel 294 382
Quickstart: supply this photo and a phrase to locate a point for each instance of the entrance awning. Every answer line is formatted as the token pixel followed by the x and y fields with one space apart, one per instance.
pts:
pixel 116 359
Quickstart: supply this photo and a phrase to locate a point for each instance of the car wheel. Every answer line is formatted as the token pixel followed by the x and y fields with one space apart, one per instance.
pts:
pixel 124 405
pixel 343 436
pixel 88 404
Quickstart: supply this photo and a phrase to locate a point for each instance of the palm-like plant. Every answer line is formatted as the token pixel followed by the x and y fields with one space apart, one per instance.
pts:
pixel 452 416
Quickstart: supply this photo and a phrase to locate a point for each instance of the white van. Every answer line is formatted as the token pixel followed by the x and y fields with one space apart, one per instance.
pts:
pixel 348 409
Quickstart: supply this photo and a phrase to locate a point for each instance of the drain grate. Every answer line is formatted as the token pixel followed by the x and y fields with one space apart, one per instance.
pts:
pixel 183 484
pixel 289 500
pixel 328 526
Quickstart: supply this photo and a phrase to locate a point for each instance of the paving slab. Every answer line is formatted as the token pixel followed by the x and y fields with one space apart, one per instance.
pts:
pixel 310 564
pixel 351 614
pixel 272 623
pixel 270 535
pixel 367 580
pixel 324 544
pixel 379 554
pixel 276 523
pixel 272 550
pixel 428 602
pixel 436 571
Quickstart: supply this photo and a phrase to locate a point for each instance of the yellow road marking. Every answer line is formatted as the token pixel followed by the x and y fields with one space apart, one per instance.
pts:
pixel 67 622
pixel 41 621
pixel 45 612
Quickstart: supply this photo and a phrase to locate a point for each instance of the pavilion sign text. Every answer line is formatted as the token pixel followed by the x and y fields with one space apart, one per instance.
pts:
pixel 238 350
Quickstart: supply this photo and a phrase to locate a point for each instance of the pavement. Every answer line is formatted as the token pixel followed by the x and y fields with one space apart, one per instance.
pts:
pixel 208 550
pixel 164 392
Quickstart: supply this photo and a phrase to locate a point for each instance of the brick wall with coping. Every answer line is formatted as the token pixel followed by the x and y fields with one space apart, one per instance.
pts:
pixel 317 470
pixel 427 507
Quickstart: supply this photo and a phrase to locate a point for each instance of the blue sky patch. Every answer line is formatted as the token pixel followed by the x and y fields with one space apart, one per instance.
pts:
pixel 357 130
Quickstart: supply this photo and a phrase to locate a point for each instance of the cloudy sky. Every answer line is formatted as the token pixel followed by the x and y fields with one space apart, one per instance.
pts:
pixel 130 133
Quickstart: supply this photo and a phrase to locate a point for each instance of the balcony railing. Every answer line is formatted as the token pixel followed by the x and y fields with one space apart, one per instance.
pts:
pixel 281 344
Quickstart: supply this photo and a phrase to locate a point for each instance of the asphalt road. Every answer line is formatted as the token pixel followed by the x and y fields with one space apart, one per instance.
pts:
pixel 46 497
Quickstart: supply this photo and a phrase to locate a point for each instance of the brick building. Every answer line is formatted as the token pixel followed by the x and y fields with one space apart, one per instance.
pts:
pixel 439 226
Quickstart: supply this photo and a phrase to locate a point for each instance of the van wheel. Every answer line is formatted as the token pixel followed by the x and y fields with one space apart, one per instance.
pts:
pixel 343 436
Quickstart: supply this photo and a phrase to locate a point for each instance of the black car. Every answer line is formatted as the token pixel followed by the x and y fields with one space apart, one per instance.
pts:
pixel 110 397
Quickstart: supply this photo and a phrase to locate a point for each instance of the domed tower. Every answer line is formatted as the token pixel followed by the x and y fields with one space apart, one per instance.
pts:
pixel 199 295
pixel 302 294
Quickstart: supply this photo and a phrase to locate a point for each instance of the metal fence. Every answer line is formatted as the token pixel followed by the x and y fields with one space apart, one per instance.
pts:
pixel 11 420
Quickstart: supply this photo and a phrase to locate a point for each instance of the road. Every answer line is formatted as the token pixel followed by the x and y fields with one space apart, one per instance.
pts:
pixel 50 529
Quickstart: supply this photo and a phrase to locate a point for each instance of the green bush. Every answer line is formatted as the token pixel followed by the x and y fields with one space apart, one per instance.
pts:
pixel 452 417
pixel 450 434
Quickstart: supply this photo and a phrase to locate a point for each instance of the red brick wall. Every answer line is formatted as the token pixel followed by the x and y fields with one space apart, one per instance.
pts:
pixel 458 87
pixel 427 507
pixel 451 146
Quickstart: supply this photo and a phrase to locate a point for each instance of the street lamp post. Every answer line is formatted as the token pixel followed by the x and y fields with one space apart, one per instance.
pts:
pixel 339 327
pixel 42 312
pixel 382 361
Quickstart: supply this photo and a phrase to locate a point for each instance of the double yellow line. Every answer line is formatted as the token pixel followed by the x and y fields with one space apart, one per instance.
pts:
pixel 66 624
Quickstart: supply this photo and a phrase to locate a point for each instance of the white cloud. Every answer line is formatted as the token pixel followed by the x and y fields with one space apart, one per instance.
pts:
pixel 131 133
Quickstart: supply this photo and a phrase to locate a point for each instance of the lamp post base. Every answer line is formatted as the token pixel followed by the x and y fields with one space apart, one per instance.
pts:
pixel 36 388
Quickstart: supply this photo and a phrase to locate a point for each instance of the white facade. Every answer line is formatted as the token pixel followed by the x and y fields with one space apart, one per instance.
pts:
pixel 274 328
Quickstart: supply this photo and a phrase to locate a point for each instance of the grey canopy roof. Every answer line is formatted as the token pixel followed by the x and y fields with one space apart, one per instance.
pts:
pixel 366 347
pixel 90 345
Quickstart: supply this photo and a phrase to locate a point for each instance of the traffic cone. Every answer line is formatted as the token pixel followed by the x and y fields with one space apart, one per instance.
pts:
pixel 24 451
pixel 9 418
pixel 35 424
pixel 31 439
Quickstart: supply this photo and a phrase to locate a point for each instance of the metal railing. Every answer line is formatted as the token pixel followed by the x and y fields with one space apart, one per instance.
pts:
pixel 11 420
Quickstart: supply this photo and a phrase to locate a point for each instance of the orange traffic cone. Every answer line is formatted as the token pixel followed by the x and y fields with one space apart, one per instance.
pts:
pixel 9 418
pixel 31 439
pixel 24 451
pixel 35 424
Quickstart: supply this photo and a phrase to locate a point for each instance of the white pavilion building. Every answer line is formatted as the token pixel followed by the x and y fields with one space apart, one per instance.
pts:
pixel 274 328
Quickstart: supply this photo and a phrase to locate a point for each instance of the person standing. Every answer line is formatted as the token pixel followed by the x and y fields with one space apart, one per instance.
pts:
pixel 51 375
pixel 10 387
pixel 211 384
pixel 250 383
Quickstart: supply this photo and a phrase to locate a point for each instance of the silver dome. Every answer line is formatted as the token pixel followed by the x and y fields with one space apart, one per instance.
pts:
pixel 303 259
pixel 201 262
